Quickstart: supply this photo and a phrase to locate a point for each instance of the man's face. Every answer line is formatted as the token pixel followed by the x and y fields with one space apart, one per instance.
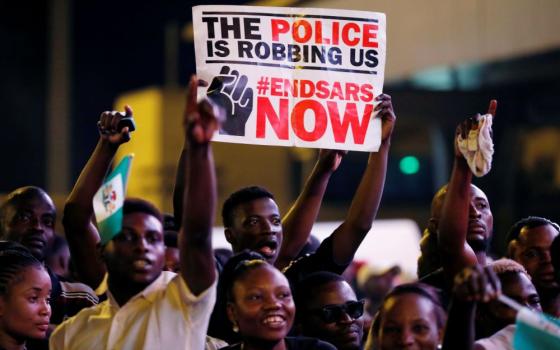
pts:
pixel 481 221
pixel 172 260
pixel 532 250
pixel 256 226
pixel 31 223
pixel 137 254
pixel 344 332
pixel 518 287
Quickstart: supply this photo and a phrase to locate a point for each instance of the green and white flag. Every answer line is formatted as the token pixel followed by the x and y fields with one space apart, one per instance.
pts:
pixel 109 200
pixel 535 330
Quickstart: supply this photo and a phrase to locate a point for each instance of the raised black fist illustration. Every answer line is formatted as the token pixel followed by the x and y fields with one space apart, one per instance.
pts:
pixel 229 90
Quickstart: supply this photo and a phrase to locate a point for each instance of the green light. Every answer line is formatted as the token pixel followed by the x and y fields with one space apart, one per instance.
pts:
pixel 409 165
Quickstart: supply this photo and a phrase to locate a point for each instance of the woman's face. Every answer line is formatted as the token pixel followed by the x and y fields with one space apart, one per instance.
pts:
pixel 25 309
pixel 409 322
pixel 262 305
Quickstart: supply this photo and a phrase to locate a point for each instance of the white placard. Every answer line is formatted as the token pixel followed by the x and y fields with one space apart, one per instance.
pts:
pixel 293 76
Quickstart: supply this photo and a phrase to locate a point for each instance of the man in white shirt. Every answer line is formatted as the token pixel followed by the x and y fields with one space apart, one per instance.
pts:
pixel 148 308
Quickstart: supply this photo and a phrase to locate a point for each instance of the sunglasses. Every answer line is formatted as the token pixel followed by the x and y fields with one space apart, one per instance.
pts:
pixel 333 313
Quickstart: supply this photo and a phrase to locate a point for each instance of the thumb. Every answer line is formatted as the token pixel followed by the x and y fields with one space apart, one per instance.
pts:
pixel 127 111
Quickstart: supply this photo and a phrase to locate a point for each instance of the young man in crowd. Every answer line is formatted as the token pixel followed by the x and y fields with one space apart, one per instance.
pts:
pixel 327 309
pixel 466 222
pixel 529 242
pixel 148 308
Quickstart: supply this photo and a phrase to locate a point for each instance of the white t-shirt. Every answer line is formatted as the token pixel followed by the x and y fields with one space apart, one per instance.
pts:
pixel 165 315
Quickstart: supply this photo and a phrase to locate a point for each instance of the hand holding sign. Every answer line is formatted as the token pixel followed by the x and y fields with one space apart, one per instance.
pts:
pixel 229 90
pixel 387 115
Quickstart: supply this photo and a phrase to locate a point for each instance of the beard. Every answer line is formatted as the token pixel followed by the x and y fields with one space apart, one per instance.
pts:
pixel 479 245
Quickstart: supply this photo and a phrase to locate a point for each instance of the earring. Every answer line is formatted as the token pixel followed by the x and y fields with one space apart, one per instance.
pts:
pixel 235 328
pixel 439 346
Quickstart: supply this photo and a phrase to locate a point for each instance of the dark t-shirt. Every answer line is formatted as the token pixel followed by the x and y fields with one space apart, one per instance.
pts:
pixel 295 343
pixel 321 260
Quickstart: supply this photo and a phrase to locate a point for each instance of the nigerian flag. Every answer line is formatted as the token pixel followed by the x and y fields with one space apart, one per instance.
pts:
pixel 109 199
pixel 536 331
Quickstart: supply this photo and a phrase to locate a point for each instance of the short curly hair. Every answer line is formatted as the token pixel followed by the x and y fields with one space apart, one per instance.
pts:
pixel 243 195
pixel 504 265
pixel 529 222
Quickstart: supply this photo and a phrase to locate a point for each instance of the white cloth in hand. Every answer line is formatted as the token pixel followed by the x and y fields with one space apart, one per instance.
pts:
pixel 478 147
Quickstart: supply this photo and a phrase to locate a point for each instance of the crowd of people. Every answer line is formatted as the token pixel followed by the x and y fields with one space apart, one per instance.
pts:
pixel 159 284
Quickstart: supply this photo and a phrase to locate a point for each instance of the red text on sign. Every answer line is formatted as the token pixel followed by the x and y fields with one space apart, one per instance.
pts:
pixel 339 123
pixel 304 31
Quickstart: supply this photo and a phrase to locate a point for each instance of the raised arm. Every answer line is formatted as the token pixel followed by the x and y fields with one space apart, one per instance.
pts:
pixel 299 220
pixel 80 231
pixel 472 285
pixel 457 210
pixel 198 268
pixel 363 209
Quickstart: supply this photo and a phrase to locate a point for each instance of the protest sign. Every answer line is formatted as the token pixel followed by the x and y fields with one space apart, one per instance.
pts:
pixel 293 76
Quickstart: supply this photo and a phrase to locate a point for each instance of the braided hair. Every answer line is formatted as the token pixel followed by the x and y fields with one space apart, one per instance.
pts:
pixel 13 259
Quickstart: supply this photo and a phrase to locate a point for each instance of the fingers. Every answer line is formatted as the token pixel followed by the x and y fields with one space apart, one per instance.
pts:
pixel 494 287
pixel 492 107
pixel 109 121
pixel 191 94
pixel 201 120
pixel 128 111
pixel 477 284
pixel 385 106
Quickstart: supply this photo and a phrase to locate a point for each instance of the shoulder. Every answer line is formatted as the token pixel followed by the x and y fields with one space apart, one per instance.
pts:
pixel 74 290
pixel 171 289
pixel 74 325
pixel 321 260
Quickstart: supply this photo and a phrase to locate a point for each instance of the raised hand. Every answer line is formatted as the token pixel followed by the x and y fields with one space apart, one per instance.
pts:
pixel 387 115
pixel 476 283
pixel 230 91
pixel 201 119
pixel 329 159
pixel 471 123
pixel 111 128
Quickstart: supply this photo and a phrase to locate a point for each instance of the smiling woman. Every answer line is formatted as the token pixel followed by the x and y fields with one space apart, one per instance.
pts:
pixel 25 289
pixel 260 306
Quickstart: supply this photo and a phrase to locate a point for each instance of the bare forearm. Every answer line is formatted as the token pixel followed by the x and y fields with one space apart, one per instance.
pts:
pixel 197 261
pixel 364 206
pixel 298 222
pixel 81 234
pixel 91 177
pixel 453 224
